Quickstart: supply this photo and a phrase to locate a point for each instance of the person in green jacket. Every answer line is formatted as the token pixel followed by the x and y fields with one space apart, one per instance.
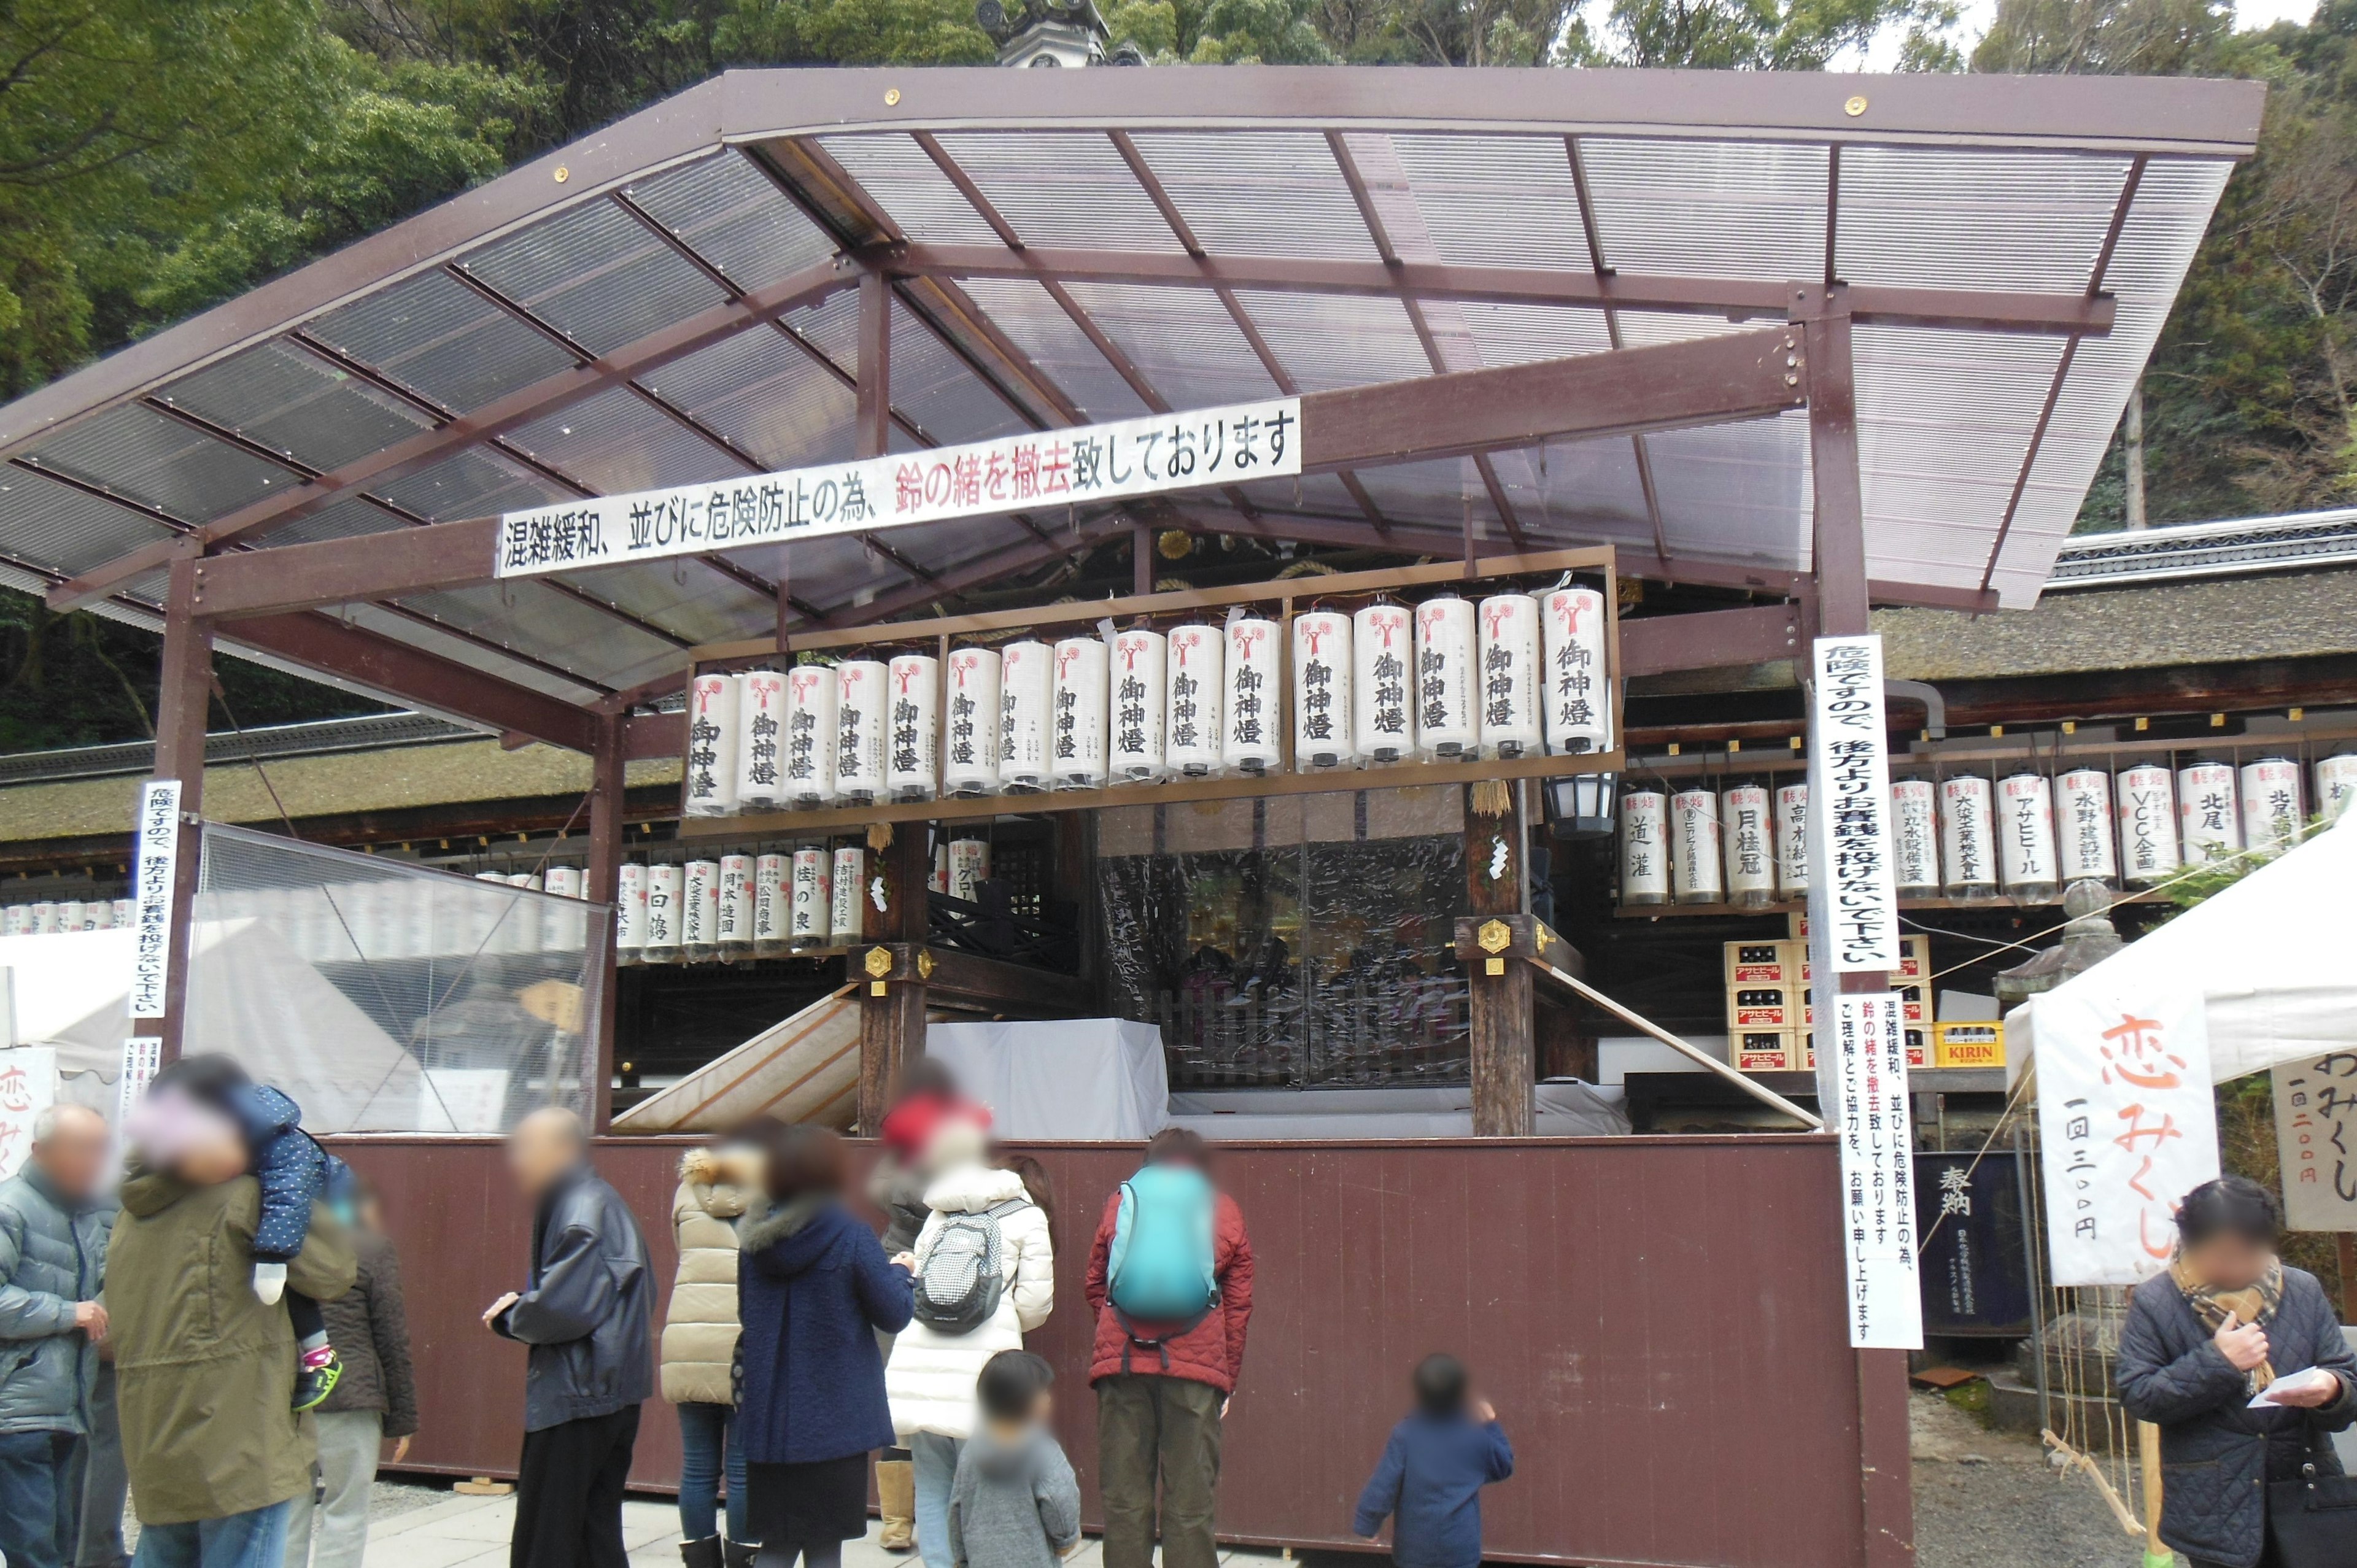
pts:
pixel 204 1369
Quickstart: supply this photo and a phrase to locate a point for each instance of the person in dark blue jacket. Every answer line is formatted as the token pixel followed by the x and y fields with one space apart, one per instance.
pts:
pixel 812 1290
pixel 1430 1477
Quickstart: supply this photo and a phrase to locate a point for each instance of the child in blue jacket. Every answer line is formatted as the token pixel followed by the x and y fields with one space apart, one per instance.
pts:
pixel 1430 1477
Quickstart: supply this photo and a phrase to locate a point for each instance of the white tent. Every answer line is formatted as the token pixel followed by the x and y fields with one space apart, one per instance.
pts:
pixel 2274 956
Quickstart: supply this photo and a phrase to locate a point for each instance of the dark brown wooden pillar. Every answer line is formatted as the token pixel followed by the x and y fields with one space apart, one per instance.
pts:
pixel 183 701
pixel 874 381
pixel 606 825
pixel 892 972
pixel 1499 989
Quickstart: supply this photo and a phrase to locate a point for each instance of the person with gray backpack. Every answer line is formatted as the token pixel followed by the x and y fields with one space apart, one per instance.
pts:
pixel 985 1275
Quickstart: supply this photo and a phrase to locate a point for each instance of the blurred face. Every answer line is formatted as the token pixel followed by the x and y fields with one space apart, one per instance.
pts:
pixel 1043 1408
pixel 212 1158
pixel 2230 1262
pixel 74 1153
pixel 543 1148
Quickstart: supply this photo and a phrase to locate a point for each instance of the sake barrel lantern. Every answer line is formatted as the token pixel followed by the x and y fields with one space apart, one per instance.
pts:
pixel 1792 840
pixel 1967 837
pixel 1747 842
pixel 2086 848
pixel 2024 838
pixel 2148 815
pixel 1644 847
pixel 1914 838
pixel 2206 825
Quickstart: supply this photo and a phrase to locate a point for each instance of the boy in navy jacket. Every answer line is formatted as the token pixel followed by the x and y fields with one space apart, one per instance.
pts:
pixel 1430 1478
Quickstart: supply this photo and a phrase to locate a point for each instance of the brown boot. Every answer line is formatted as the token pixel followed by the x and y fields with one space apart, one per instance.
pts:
pixel 896 1496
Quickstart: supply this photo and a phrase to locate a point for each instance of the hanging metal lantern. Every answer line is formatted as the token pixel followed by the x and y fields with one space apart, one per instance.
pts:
pixel 1747 842
pixel 812 903
pixel 1140 689
pixel 2336 784
pixel 812 693
pixel 2024 838
pixel 2084 848
pixel 1967 837
pixel 2147 824
pixel 2271 804
pixel 970 723
pixel 1253 702
pixel 1382 683
pixel 1644 847
pixel 863 696
pixel 1510 696
pixel 735 936
pixel 1914 838
pixel 699 923
pixel 1695 874
pixel 1582 806
pixel 913 729
pixel 1447 727
pixel 1080 713
pixel 761 734
pixel 2207 822
pixel 664 888
pixel 1198 687
pixel 1792 840
pixel 713 702
pixel 1321 691
pixel 847 897
pixel 1578 700
pixel 772 904
pixel 1027 675
pixel 969 868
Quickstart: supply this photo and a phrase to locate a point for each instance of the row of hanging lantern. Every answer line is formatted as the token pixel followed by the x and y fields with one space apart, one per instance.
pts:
pixel 2026 836
pixel 383 918
pixel 1447 679
pixel 767 904
pixel 52 917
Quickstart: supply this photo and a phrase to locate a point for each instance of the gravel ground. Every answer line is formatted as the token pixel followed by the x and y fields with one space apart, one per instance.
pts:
pixel 1989 1499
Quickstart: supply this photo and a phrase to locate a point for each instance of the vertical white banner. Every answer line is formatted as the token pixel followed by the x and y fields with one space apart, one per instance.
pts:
pixel 28 1086
pixel 1850 793
pixel 2316 1138
pixel 1877 1166
pixel 142 1056
pixel 156 845
pixel 2126 1120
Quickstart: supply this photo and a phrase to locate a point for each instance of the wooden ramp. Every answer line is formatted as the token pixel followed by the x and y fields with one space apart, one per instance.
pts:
pixel 803 1070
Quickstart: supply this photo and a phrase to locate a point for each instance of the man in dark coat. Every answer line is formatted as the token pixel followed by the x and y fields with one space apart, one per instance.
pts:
pixel 588 1317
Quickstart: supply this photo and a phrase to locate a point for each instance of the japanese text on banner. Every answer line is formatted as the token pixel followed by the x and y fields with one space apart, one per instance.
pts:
pixel 2316 1138
pixel 157 849
pixel 1852 778
pixel 1166 452
pixel 28 1086
pixel 1880 1247
pixel 2125 1123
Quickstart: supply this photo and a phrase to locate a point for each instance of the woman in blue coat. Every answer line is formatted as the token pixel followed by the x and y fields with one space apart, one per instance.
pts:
pixel 812 1290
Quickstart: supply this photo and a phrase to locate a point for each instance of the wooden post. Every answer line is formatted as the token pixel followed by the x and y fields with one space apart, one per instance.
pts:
pixel 2155 1555
pixel 2348 1249
pixel 183 699
pixel 1499 990
pixel 892 999
pixel 606 825
pixel 875 382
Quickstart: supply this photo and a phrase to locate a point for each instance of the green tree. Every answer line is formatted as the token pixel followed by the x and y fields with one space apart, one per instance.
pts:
pixel 1760 35
pixel 851 32
pixel 1220 32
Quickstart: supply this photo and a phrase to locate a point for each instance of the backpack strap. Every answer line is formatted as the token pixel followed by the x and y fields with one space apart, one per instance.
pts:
pixel 1160 1343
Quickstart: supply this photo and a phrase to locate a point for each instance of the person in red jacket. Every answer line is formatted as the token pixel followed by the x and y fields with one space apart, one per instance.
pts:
pixel 1161 1397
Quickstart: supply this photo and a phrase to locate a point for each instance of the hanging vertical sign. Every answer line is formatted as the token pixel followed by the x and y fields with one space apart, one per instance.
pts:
pixel 1850 775
pixel 1877 1168
pixel 2126 1120
pixel 143 1059
pixel 158 850
pixel 2316 1141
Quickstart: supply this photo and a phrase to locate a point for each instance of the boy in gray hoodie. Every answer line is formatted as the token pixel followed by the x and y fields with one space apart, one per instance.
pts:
pixel 1016 1503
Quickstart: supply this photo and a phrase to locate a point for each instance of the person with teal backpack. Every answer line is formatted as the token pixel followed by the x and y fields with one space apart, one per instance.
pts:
pixel 1170 1279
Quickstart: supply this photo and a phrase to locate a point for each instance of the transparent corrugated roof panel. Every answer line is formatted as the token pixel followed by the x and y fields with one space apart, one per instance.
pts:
pixel 1053 341
pixel 596 276
pixel 294 401
pixel 910 188
pixel 729 213
pixel 442 340
pixel 1183 339
pixel 392 998
pixel 1496 201
pixel 411 624
pixel 1731 210
pixel 934 387
pixel 152 458
pixel 617 442
pixel 1062 188
pixel 1332 340
pixel 1260 193
pixel 1736 491
pixel 769 397
pixel 63 530
pixel 1943 218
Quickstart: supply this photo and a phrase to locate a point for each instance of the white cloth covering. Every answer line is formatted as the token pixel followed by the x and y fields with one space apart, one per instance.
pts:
pixel 1092 1079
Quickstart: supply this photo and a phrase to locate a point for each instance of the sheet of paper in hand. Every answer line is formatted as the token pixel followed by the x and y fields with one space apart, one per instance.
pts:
pixel 2274 1392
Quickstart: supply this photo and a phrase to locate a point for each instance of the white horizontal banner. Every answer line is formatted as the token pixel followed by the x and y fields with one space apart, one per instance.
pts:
pixel 1012 473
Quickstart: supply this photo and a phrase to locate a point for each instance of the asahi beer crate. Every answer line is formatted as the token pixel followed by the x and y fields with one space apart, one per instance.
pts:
pixel 1976 1043
pixel 1914 958
pixel 1766 1050
pixel 1766 1007
pixel 1919 1049
pixel 1912 1008
pixel 1766 963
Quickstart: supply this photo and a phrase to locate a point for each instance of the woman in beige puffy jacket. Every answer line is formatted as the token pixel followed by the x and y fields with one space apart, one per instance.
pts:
pixel 699 1349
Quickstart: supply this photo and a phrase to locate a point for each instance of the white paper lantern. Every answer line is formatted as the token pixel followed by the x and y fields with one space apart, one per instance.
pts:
pixel 2024 837
pixel 812 738
pixel 1644 847
pixel 13 921
pixel 970 723
pixel 1078 738
pixel 760 739
pixel 735 932
pixel 1198 689
pixel 629 912
pixel 1792 840
pixel 70 917
pixel 940 880
pixel 2271 807
pixel 1140 692
pixel 1447 727
pixel 1747 841
pixel 863 695
pixel 1578 700
pixel 565 881
pixel 848 882
pixel 1253 700
pixel 2084 847
pixel 772 904
pixel 1914 838
pixel 713 702
pixel 969 868
pixel 99 915
pixel 1321 691
pixel 813 905
pixel 2207 827
pixel 2147 824
pixel 665 887
pixel 1510 696
pixel 1695 870
pixel 913 743
pixel 126 913
pixel 1382 683
pixel 1967 837
pixel 1026 680
pixel 699 923
pixel 2336 784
